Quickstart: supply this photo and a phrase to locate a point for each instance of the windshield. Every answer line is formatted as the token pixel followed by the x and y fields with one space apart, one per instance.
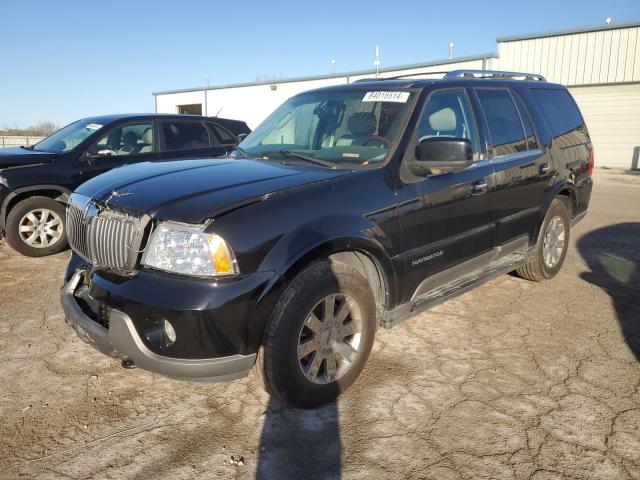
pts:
pixel 68 137
pixel 336 126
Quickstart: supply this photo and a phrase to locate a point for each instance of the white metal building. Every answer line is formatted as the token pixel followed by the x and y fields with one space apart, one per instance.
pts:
pixel 600 65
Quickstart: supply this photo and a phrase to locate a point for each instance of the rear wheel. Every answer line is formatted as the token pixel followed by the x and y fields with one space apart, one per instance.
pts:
pixel 36 227
pixel 320 335
pixel 552 244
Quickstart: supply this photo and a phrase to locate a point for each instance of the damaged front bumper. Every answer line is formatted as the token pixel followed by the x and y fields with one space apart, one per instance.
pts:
pixel 120 339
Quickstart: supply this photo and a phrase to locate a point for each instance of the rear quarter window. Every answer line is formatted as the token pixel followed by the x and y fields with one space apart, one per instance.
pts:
pixel 560 111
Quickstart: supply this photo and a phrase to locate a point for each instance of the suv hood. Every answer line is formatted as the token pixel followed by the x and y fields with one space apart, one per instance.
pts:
pixel 16 156
pixel 192 191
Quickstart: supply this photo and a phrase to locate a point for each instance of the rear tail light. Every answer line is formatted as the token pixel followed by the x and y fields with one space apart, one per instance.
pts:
pixel 591 162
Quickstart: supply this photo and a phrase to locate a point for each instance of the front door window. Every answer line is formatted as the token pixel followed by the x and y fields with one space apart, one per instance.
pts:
pixel 125 140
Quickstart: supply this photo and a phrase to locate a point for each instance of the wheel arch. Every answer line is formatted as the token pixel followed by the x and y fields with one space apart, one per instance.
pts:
pixel 565 190
pixel 364 254
pixel 54 192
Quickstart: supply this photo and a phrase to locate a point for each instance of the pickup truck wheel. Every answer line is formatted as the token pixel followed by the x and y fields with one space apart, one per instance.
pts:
pixel 36 227
pixel 319 336
pixel 552 244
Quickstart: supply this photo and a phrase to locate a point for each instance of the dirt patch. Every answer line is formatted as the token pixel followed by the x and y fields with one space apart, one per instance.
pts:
pixel 511 380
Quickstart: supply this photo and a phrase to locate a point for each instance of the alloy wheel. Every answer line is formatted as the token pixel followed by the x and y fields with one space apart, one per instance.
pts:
pixel 329 338
pixel 40 228
pixel 553 244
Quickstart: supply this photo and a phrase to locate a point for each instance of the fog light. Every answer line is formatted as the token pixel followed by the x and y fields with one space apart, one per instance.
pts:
pixel 160 332
pixel 169 332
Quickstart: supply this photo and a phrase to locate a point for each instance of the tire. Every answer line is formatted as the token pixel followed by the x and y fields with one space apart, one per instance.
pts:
pixel 26 215
pixel 539 268
pixel 279 365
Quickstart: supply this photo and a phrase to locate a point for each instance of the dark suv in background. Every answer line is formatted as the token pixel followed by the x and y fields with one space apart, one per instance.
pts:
pixel 36 181
pixel 350 207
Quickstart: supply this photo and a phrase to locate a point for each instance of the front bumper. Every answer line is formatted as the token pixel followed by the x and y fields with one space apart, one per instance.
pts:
pixel 121 340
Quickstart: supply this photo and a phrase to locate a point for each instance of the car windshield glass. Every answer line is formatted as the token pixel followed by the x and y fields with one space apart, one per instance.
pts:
pixel 68 137
pixel 336 126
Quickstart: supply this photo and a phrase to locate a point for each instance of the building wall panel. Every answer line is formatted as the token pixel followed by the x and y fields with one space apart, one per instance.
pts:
pixel 587 58
pixel 601 67
pixel 612 115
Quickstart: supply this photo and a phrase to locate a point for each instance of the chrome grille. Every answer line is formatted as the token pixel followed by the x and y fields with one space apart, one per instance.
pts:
pixel 106 238
pixel 76 231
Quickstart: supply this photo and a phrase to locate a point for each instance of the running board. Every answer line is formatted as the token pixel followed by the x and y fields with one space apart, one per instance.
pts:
pixel 429 299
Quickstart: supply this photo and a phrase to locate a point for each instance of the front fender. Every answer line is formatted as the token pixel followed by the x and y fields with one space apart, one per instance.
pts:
pixel 6 195
pixel 323 237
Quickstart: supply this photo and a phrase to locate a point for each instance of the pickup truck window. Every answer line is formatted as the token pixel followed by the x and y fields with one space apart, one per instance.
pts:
pixel 339 126
pixel 505 128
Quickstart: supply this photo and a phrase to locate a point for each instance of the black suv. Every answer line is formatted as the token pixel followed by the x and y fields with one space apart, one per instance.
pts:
pixel 350 207
pixel 35 182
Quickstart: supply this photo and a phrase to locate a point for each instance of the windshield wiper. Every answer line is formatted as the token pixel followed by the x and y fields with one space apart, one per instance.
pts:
pixel 301 156
pixel 27 148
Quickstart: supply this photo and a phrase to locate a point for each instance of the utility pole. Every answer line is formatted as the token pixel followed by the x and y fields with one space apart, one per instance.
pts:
pixel 206 106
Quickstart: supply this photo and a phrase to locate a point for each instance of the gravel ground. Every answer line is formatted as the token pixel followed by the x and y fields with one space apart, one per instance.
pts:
pixel 511 380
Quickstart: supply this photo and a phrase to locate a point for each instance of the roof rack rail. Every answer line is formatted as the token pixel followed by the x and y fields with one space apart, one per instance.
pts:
pixel 399 77
pixel 494 74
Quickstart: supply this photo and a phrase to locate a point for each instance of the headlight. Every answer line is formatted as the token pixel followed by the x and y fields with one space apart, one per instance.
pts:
pixel 186 249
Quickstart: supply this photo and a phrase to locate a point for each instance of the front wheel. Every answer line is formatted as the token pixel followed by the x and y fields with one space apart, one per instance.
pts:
pixel 319 336
pixel 36 227
pixel 552 244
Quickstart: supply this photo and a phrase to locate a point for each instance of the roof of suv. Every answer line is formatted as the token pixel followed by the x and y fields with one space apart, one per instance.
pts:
pixel 119 116
pixel 236 127
pixel 419 83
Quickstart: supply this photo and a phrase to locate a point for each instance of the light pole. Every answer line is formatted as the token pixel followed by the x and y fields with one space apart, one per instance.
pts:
pixel 451 45
pixel 333 66
pixel 377 61
pixel 206 107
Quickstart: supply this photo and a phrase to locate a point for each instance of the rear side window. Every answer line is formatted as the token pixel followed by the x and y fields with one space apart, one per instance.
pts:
pixel 505 128
pixel 185 136
pixel 223 135
pixel 532 143
pixel 559 110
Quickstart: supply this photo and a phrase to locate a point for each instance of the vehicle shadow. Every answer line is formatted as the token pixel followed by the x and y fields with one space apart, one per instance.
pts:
pixel 613 255
pixel 300 443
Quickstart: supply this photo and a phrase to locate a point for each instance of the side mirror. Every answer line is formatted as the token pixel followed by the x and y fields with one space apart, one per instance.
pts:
pixel 441 153
pixel 242 136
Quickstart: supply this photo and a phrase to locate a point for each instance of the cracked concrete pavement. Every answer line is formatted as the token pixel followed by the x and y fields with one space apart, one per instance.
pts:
pixel 511 380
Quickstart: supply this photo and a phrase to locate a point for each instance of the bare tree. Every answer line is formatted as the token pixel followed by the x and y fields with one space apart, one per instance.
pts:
pixel 43 128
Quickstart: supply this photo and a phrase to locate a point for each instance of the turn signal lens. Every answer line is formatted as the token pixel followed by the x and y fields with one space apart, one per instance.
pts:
pixel 592 162
pixel 220 255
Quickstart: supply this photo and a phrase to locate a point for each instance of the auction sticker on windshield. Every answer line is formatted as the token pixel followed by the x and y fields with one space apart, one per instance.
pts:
pixel 94 126
pixel 388 96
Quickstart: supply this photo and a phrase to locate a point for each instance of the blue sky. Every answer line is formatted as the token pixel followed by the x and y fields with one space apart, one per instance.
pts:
pixel 62 60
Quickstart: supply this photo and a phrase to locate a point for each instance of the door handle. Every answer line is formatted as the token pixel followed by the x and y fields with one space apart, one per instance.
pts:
pixel 479 186
pixel 545 168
